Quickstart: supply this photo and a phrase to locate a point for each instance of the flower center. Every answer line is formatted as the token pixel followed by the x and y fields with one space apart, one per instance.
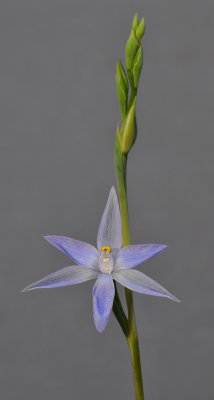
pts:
pixel 106 261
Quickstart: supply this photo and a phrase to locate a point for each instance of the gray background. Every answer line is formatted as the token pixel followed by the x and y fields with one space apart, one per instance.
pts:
pixel 58 117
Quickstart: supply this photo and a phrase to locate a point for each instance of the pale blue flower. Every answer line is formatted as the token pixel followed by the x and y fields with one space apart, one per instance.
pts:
pixel 109 261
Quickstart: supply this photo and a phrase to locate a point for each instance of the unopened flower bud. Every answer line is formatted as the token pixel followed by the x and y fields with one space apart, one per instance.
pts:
pixel 122 87
pixel 134 40
pixel 139 32
pixel 137 66
pixel 131 49
pixel 128 131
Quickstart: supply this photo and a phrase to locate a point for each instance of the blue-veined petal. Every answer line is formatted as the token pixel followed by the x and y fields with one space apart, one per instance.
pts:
pixel 64 277
pixel 82 253
pixel 139 282
pixel 109 233
pixel 131 256
pixel 103 296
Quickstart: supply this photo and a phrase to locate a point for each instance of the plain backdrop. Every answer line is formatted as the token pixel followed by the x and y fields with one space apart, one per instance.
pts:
pixel 58 119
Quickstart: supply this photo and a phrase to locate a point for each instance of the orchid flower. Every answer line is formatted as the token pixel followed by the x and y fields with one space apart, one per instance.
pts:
pixel 109 261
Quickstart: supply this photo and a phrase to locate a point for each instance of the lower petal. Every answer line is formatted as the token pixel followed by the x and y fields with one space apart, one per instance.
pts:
pixel 103 296
pixel 141 283
pixel 64 277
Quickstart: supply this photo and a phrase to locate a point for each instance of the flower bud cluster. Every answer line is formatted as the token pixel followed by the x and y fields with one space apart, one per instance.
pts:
pixel 134 53
pixel 134 60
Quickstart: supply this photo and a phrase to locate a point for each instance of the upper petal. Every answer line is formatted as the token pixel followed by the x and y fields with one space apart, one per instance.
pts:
pixel 64 277
pixel 130 256
pixel 103 296
pixel 141 283
pixel 109 233
pixel 82 253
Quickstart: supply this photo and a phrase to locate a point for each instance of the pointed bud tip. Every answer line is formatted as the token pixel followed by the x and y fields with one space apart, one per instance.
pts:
pixel 140 30
pixel 135 22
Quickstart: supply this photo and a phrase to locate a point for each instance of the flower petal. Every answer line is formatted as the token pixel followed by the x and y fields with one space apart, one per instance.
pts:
pixel 64 277
pixel 141 283
pixel 109 233
pixel 82 253
pixel 131 256
pixel 103 296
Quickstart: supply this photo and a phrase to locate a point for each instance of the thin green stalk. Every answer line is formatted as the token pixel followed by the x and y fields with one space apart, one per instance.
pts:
pixel 134 346
pixel 125 139
pixel 132 336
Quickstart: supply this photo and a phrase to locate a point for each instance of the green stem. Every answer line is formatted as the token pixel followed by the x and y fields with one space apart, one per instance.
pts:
pixel 134 346
pixel 132 336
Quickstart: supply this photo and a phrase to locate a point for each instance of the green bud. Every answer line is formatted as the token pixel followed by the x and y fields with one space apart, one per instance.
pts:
pixel 140 30
pixel 137 66
pixel 131 49
pixel 135 23
pixel 128 132
pixel 122 87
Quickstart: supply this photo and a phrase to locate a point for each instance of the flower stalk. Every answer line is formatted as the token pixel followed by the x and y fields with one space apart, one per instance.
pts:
pixel 125 139
pixel 131 329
